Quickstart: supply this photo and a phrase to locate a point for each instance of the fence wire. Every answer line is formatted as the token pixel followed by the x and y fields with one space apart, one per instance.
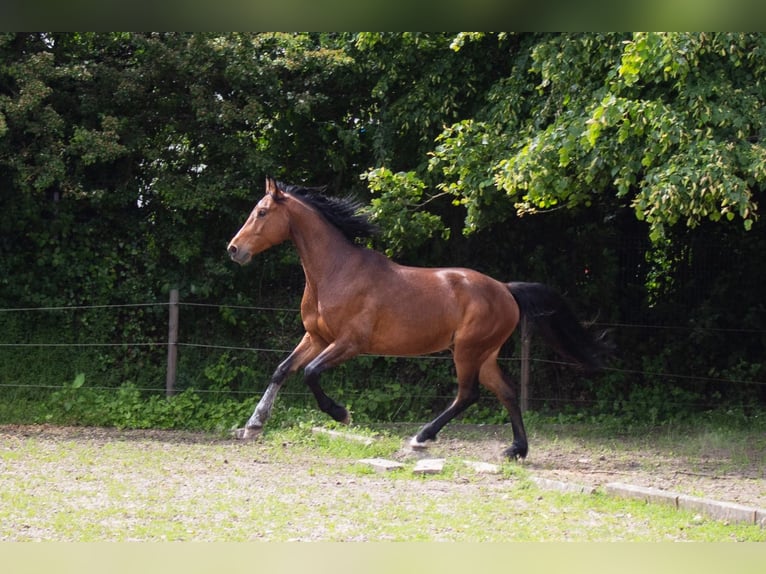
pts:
pixel 284 351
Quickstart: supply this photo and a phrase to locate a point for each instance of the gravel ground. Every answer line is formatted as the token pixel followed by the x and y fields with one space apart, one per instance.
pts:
pixel 734 475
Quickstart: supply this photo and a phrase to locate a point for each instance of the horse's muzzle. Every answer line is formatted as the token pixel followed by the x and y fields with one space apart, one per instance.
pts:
pixel 238 255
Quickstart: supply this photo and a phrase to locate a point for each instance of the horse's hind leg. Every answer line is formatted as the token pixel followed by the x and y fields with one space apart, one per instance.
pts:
pixel 492 377
pixel 467 394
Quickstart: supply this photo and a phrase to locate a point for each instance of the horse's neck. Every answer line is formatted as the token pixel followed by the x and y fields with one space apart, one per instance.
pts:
pixel 322 248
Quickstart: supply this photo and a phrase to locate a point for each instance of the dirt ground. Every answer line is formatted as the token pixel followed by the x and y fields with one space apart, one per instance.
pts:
pixel 734 475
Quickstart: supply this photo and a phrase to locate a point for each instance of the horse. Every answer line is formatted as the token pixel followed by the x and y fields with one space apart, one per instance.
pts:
pixel 358 301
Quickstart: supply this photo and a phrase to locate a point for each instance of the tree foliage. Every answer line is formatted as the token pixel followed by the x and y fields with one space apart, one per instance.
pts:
pixel 668 124
pixel 604 164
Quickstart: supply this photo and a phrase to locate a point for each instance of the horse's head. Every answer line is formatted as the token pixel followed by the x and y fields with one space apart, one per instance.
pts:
pixel 266 226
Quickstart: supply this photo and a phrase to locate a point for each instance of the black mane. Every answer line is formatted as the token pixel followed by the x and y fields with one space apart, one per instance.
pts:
pixel 342 212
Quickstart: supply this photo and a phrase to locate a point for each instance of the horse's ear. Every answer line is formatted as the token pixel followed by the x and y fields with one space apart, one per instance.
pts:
pixel 272 188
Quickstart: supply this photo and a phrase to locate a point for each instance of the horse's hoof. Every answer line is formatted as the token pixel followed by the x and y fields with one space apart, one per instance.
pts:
pixel 516 453
pixel 247 433
pixel 415 444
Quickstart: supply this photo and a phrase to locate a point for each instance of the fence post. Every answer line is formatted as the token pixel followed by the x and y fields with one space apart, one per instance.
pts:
pixel 524 400
pixel 170 381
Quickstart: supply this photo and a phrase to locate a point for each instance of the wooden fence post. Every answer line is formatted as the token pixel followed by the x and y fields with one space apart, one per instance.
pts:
pixel 524 400
pixel 170 381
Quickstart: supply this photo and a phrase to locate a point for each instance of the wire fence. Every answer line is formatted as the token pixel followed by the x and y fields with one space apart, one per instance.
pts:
pixel 181 344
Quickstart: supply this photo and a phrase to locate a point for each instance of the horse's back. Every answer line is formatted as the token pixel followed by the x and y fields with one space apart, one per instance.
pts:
pixel 421 310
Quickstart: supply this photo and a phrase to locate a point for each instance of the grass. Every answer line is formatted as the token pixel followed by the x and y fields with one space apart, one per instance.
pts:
pixel 100 485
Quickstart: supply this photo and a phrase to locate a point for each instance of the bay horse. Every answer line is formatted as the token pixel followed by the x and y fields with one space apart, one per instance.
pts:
pixel 358 301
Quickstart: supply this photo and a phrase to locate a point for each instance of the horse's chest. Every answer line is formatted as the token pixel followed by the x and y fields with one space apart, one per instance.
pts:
pixel 329 310
pixel 319 321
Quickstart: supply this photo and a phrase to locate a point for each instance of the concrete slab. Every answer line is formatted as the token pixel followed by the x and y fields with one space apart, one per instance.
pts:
pixel 381 464
pixel 718 510
pixel 646 493
pixel 429 466
pixel 727 511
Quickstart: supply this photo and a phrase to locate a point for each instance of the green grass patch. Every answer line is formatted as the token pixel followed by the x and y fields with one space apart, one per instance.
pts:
pixel 292 484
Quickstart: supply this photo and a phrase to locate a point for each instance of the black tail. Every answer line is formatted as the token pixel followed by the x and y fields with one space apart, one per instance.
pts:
pixel 549 313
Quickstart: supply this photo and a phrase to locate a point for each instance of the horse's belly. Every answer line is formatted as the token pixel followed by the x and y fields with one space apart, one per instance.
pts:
pixel 415 333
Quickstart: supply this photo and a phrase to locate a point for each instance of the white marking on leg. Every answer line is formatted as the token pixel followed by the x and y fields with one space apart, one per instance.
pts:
pixel 262 410
pixel 415 444
pixel 246 433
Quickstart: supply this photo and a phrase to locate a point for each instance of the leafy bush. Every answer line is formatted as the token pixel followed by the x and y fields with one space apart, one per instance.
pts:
pixel 128 407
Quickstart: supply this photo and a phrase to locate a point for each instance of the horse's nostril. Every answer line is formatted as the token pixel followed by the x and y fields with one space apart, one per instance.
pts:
pixel 232 249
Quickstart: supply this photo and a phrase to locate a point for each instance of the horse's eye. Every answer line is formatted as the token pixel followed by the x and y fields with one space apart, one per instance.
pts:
pixel 261 212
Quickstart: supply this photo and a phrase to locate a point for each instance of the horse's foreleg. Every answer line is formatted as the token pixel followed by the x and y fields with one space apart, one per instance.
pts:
pixel 302 354
pixel 262 411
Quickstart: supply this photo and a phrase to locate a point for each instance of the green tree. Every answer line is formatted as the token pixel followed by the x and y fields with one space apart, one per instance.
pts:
pixel 668 124
pixel 127 160
pixel 642 158
pixel 159 140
